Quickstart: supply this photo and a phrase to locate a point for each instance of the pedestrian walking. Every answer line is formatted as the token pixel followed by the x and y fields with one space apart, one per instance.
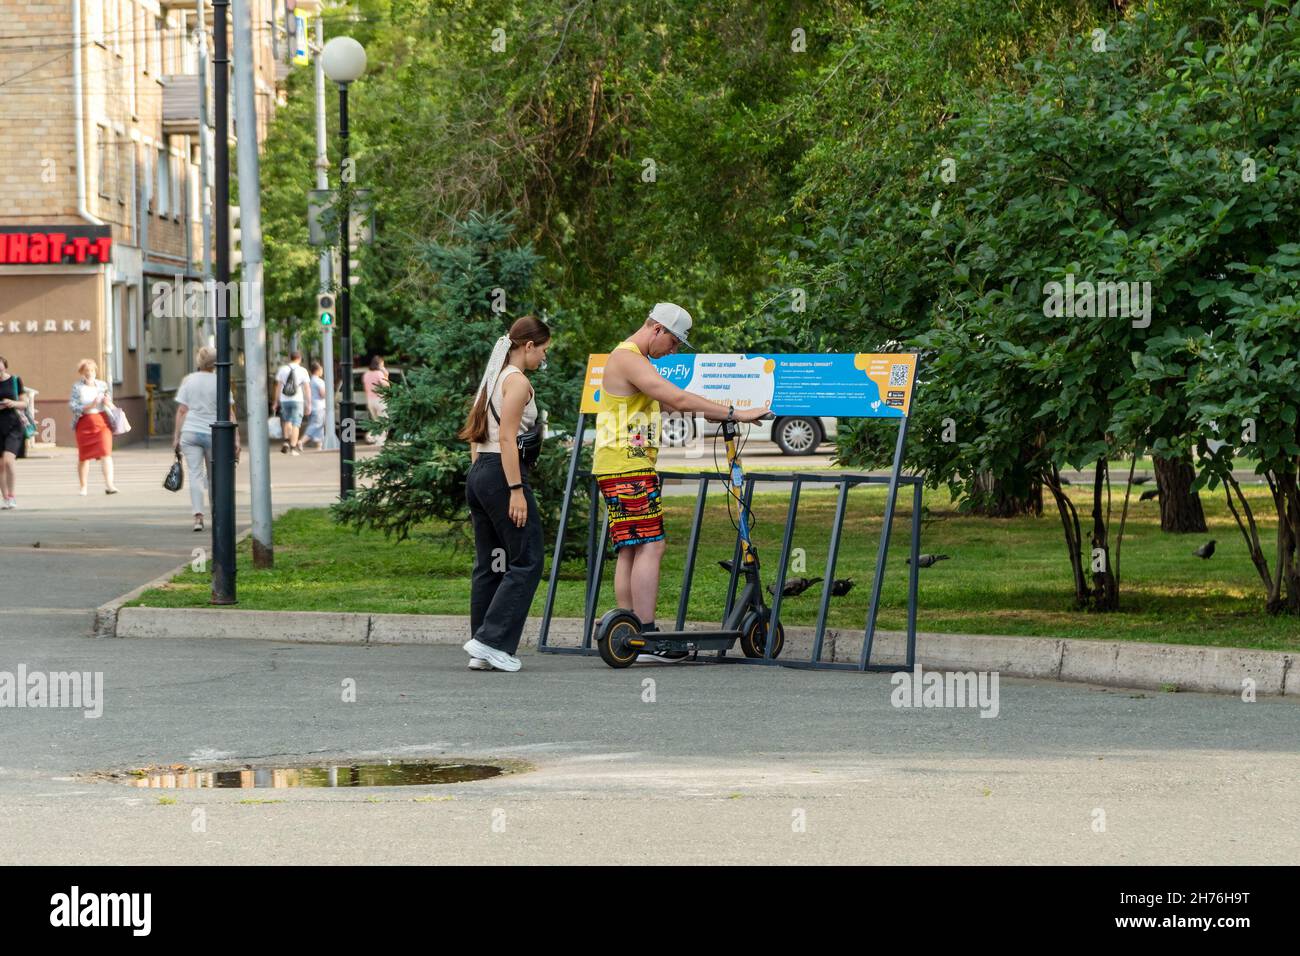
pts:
pixel 507 526
pixel 315 430
pixel 371 381
pixel 13 433
pixel 292 401
pixel 196 410
pixel 92 403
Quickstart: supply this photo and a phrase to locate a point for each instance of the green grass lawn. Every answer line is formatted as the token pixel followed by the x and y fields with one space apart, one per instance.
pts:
pixel 1004 576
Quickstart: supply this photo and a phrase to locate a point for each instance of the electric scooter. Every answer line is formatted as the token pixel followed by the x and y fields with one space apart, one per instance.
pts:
pixel 619 636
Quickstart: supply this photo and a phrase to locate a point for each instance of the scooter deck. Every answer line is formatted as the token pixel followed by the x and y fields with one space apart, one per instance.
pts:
pixel 678 640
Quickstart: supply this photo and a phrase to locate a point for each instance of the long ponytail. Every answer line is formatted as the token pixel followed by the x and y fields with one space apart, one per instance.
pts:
pixel 525 329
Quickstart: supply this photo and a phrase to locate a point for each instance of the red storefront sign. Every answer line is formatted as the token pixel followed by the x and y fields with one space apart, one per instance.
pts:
pixel 55 245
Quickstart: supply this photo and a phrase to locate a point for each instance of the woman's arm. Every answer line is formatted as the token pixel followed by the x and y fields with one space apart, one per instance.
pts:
pixel 515 392
pixel 181 412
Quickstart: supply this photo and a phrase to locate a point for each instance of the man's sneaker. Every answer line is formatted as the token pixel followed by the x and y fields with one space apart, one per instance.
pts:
pixel 478 664
pixel 498 659
pixel 661 657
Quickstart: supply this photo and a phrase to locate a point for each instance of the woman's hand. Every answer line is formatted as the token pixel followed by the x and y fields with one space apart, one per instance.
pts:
pixel 518 508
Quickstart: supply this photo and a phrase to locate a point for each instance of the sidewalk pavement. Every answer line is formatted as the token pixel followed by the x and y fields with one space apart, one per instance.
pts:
pixel 109 544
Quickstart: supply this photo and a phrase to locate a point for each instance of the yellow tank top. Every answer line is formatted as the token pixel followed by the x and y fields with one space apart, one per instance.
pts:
pixel 627 430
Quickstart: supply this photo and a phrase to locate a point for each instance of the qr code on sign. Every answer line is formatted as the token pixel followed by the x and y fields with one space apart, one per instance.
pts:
pixel 898 374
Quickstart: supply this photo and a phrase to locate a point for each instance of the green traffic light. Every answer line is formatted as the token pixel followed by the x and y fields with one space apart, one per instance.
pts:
pixel 326 319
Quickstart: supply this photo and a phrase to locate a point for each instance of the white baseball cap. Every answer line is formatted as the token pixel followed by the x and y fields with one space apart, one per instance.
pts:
pixel 673 318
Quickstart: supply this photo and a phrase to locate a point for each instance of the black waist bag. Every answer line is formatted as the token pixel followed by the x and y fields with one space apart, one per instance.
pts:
pixel 529 443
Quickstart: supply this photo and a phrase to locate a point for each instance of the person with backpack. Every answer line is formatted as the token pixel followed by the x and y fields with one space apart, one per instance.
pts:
pixel 292 400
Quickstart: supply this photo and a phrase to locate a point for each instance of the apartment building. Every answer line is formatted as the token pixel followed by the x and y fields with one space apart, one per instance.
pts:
pixel 100 188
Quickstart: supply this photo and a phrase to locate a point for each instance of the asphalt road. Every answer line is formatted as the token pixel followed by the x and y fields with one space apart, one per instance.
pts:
pixel 707 763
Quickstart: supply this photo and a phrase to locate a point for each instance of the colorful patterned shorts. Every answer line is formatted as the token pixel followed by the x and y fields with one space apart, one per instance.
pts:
pixel 635 512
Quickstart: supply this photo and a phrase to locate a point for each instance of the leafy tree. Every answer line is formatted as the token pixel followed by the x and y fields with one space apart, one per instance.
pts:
pixel 419 474
pixel 1119 165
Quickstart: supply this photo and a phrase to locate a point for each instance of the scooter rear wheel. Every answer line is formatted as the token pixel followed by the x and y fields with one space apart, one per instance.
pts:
pixel 616 628
pixel 754 635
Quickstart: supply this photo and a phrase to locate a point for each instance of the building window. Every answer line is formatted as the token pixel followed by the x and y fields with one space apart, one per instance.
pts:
pixel 164 187
pixel 110 23
pixel 159 31
pixel 190 53
pixel 105 147
pixel 176 168
pixel 146 179
pixel 115 340
pixel 133 314
pixel 142 36
pixel 119 178
pixel 196 186
pixel 95 22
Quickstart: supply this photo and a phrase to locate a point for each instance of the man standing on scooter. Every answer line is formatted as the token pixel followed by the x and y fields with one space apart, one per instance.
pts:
pixel 633 394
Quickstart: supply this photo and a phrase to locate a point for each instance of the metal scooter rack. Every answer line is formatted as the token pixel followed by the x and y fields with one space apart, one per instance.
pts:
pixel 597 532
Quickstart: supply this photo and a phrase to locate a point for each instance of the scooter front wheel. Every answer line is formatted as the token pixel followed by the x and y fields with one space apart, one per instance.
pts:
pixel 613 632
pixel 754 635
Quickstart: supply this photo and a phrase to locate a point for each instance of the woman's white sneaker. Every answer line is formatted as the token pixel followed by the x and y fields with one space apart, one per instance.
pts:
pixel 498 659
pixel 478 664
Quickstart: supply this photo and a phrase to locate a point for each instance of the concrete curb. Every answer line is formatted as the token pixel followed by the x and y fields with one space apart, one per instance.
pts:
pixel 1110 663
pixel 104 621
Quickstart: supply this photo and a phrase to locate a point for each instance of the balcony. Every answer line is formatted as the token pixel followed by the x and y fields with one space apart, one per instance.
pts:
pixel 181 104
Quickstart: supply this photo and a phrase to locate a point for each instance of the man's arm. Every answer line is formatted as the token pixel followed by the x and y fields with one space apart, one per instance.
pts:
pixel 646 379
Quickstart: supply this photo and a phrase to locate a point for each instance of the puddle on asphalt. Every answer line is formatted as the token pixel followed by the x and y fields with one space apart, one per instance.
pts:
pixel 385 774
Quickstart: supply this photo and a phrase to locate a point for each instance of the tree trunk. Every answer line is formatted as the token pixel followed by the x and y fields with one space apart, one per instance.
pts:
pixel 1288 545
pixel 1180 507
pixel 1070 527
pixel 993 498
pixel 1105 589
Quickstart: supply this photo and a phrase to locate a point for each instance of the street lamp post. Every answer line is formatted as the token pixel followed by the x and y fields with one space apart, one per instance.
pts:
pixel 344 60
pixel 223 429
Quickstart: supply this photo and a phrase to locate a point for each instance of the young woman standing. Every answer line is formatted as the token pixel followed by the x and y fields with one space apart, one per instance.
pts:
pixel 507 527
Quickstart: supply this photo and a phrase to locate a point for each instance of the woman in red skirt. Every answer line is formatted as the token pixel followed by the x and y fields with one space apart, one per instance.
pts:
pixel 91 406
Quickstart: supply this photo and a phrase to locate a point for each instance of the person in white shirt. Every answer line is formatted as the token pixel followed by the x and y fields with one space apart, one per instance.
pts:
pixel 292 400
pixel 92 404
pixel 315 429
pixel 196 410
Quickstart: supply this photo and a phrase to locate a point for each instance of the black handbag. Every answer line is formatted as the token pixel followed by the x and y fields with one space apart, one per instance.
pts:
pixel 175 475
pixel 529 443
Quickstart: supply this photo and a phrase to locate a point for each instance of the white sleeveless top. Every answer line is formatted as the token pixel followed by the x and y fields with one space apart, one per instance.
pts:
pixel 493 444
